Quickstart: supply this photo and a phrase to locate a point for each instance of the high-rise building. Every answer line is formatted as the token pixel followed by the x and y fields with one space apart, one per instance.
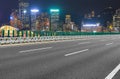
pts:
pixel 43 22
pixel 69 25
pixel 68 19
pixel 24 13
pixel 90 22
pixel 34 21
pixel 116 20
pixel 54 19
pixel 14 20
pixel 92 14
pixel 89 15
pixel 107 16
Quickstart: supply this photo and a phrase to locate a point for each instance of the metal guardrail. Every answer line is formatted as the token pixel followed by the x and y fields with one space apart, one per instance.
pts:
pixel 28 33
pixel 15 40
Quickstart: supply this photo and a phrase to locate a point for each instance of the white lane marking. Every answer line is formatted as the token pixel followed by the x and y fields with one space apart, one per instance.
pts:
pixel 109 44
pixel 84 43
pixel 31 50
pixel 112 74
pixel 76 52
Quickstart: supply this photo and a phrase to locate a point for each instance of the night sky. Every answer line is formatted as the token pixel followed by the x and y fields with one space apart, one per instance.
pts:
pixel 74 7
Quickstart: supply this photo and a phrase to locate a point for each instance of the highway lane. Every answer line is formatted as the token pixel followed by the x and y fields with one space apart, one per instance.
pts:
pixel 62 46
pixel 36 46
pixel 97 62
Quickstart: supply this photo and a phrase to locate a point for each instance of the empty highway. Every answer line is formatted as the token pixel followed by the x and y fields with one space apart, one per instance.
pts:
pixel 97 58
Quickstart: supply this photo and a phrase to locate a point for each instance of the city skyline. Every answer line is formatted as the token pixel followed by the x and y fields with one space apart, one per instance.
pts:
pixel 65 6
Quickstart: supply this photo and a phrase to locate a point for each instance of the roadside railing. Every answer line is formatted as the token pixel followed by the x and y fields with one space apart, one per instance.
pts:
pixel 16 37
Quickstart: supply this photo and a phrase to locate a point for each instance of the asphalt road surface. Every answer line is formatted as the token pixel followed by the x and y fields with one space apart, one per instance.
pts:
pixel 97 58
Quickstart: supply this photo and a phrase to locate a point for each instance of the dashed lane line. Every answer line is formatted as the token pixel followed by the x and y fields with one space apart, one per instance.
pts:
pixel 109 44
pixel 76 52
pixel 31 50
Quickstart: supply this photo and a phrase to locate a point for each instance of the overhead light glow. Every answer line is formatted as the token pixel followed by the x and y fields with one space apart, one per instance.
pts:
pixel 34 10
pixel 91 25
pixel 11 18
pixel 24 11
pixel 94 31
pixel 54 10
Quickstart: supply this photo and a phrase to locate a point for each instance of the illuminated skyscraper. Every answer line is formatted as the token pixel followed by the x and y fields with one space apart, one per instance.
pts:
pixel 116 20
pixel 68 19
pixel 54 19
pixel 90 22
pixel 24 13
pixel 34 16
pixel 14 21
pixel 93 14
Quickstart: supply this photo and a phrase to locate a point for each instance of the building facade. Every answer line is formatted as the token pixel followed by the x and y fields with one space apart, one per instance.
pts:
pixel 69 25
pixel 54 19
pixel 90 23
pixel 116 20
pixel 14 20
pixel 24 13
pixel 43 22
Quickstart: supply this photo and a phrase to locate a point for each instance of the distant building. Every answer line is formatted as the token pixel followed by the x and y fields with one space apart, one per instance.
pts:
pixel 106 16
pixel 116 20
pixel 90 23
pixel 34 16
pixel 69 25
pixel 54 18
pixel 14 20
pixel 92 14
pixel 24 13
pixel 68 19
pixel 43 22
pixel 89 15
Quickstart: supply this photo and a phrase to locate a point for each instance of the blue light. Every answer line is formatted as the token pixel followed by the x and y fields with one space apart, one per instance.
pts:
pixel 54 10
pixel 24 11
pixel 34 10
pixel 11 18
pixel 91 25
